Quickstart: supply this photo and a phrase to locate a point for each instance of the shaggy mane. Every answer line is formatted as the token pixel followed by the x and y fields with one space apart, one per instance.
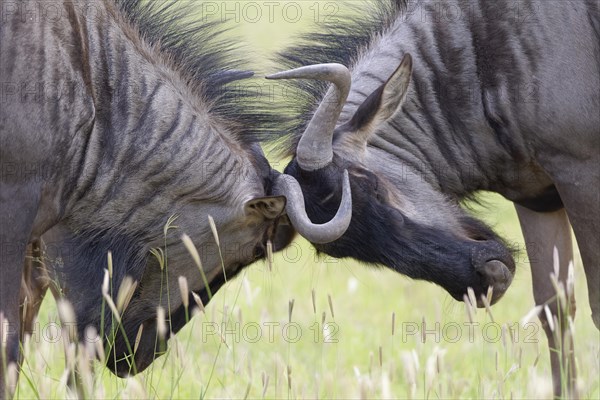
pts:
pixel 209 58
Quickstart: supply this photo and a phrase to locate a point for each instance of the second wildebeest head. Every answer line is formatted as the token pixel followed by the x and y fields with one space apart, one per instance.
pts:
pixel 400 219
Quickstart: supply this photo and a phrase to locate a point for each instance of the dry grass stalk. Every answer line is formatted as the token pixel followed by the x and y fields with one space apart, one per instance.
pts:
pixel 265 383
pixel 486 303
pixel 248 387
pixel 270 255
pixel 330 306
pixel 113 307
pixel 138 338
pixel 468 308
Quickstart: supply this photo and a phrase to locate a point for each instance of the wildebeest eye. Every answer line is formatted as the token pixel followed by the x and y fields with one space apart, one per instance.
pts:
pixel 370 183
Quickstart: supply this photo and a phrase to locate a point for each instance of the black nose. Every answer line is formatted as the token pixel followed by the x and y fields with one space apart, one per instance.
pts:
pixel 494 274
pixel 495 267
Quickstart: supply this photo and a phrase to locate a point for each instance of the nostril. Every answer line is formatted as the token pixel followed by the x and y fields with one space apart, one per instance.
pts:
pixel 496 271
pixel 480 238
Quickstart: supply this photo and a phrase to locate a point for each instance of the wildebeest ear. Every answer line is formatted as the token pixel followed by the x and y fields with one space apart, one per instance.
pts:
pixel 384 102
pixel 396 87
pixel 269 207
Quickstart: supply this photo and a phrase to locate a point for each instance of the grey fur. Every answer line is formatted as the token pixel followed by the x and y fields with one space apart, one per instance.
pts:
pixel 504 97
pixel 120 136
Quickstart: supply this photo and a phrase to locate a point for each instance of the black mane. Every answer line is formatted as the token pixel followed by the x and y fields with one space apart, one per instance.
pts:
pixel 209 59
pixel 340 41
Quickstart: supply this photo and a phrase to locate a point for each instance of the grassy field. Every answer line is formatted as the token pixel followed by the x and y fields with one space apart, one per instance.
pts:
pixel 342 345
pixel 353 331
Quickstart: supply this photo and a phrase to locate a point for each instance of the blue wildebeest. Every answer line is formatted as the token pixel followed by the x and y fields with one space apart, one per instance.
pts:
pixel 130 113
pixel 443 99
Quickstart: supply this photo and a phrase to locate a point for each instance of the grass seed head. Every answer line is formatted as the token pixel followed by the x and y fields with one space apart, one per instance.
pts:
pixel 67 318
pixel 198 301
pixel 571 280
pixel 191 248
pixel 90 339
pixel 549 317
pixel 533 313
pixel 161 323
pixel 170 224
pixel 556 261
pixel 290 309
pixel 213 228
pixel 105 282
pixel 410 372
pixel 472 298
pixel 126 291
pixel 110 264
pixel 184 289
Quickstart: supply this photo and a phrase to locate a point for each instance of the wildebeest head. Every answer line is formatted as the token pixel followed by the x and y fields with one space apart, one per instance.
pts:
pixel 187 148
pixel 250 217
pixel 245 220
pixel 399 219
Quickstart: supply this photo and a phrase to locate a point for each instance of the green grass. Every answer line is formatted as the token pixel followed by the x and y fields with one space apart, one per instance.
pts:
pixel 347 364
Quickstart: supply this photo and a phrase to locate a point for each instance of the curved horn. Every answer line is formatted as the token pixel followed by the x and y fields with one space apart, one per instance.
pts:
pixel 315 149
pixel 289 187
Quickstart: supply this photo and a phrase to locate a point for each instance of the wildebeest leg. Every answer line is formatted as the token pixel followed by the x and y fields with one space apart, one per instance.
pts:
pixel 18 206
pixel 581 196
pixel 543 232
